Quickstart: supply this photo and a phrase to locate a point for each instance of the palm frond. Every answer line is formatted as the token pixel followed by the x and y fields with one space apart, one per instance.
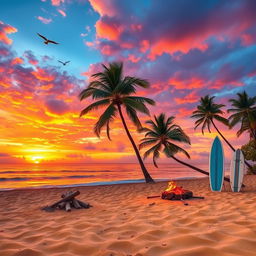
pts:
pixel 221 119
pixel 107 130
pixel 133 116
pixel 141 99
pixel 139 106
pixel 179 135
pixel 95 106
pixel 176 149
pixel 105 118
pixel 147 142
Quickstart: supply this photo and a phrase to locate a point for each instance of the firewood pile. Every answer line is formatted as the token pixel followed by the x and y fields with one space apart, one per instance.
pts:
pixel 186 194
pixel 68 202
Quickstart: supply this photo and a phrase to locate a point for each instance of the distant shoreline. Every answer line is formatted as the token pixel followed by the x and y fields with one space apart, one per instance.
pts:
pixel 95 184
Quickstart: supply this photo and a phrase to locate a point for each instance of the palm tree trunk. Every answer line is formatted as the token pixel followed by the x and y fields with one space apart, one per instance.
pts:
pixel 248 165
pixel 222 136
pixel 197 169
pixel 146 174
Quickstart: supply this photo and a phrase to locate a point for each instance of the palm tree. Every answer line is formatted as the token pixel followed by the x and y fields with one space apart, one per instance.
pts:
pixel 115 92
pixel 208 111
pixel 162 135
pixel 245 113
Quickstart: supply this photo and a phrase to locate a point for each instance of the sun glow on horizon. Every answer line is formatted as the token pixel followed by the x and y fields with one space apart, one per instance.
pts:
pixel 36 159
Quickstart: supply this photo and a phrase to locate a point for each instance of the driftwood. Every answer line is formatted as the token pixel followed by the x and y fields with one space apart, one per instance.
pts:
pixel 67 202
pixel 68 207
pixel 76 204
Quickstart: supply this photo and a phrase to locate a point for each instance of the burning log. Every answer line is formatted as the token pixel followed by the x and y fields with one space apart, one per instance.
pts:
pixel 173 192
pixel 67 202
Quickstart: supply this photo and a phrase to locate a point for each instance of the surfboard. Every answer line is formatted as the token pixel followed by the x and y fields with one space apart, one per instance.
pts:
pixel 216 165
pixel 237 170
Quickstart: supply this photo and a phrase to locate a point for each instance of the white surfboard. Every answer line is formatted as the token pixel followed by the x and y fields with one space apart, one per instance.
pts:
pixel 237 170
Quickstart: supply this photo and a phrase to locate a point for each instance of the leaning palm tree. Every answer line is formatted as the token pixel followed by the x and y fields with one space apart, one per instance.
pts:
pixel 162 135
pixel 207 112
pixel 245 113
pixel 115 92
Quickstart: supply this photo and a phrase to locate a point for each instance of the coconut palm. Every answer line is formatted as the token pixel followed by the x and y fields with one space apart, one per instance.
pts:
pixel 207 112
pixel 244 112
pixel 115 92
pixel 162 135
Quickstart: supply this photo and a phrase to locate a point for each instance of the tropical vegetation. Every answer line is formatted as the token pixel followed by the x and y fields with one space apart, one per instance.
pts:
pixel 207 112
pixel 162 136
pixel 244 113
pixel 111 90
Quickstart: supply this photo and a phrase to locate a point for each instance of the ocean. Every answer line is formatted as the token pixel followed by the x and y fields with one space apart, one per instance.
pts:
pixel 71 175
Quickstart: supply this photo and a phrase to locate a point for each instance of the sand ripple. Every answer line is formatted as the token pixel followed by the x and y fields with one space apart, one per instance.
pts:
pixel 122 222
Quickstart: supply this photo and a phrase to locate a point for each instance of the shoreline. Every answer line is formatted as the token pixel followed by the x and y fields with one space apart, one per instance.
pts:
pixel 103 183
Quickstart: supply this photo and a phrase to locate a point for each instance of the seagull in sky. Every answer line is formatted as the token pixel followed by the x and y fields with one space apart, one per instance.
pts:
pixel 47 41
pixel 64 63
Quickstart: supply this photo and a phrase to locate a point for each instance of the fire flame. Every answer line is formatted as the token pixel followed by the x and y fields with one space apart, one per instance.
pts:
pixel 173 188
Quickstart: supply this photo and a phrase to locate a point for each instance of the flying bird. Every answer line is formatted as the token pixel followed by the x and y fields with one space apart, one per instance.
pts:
pixel 47 41
pixel 64 63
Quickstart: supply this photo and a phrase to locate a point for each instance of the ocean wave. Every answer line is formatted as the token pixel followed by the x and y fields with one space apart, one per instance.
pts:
pixel 14 179
pixel 6 172
pixel 86 171
pixel 57 171
pixel 2 179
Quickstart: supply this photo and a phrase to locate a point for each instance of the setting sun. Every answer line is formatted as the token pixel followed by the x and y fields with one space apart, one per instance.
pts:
pixel 36 159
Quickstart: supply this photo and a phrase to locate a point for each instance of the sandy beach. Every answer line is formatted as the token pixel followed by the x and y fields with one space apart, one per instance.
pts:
pixel 124 222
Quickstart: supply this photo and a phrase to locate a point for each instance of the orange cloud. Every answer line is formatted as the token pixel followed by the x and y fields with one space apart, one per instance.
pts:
pixel 107 31
pixel 6 29
pixel 183 112
pixel 57 2
pixel 103 7
pixel 186 83
pixel 42 75
pixel 190 98
pixel 171 46
pixel 17 61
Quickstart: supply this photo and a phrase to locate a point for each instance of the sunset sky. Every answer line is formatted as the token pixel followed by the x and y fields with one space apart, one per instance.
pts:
pixel 185 49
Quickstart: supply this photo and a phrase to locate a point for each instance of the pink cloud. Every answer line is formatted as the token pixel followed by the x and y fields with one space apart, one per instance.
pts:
pixel 106 7
pixel 4 30
pixel 133 58
pixel 168 45
pixel 248 39
pixel 57 2
pixel 44 20
pixel 189 98
pixel 144 45
pixel 62 13
pixel 182 80
pixel 30 57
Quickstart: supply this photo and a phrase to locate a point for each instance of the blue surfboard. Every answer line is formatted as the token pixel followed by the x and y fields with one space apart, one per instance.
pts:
pixel 216 165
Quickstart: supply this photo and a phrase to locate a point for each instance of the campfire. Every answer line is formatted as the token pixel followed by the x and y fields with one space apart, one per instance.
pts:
pixel 174 192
